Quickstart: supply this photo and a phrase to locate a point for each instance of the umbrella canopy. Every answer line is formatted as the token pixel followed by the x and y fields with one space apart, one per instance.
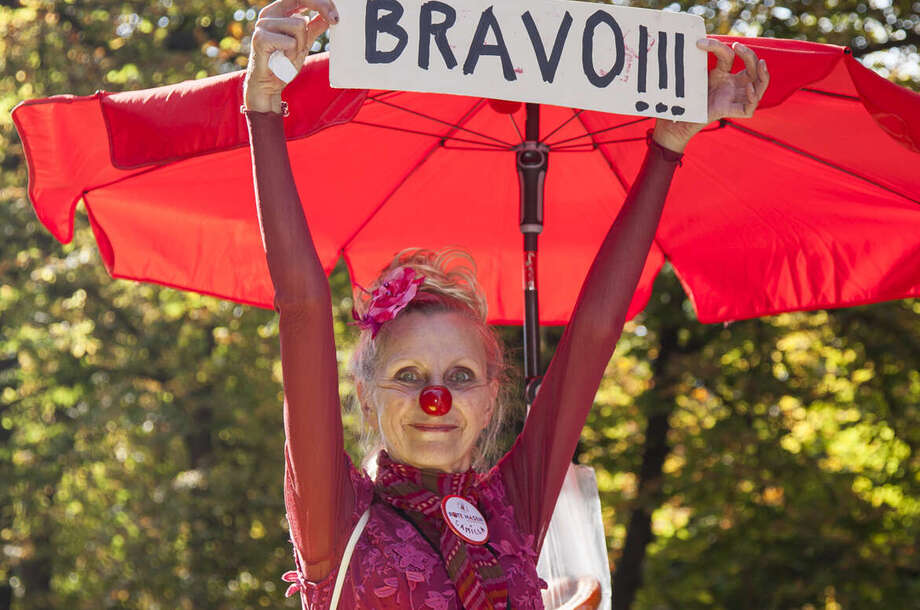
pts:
pixel 814 202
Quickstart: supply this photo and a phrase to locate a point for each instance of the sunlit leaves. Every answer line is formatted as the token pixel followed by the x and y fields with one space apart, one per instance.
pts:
pixel 792 468
pixel 140 427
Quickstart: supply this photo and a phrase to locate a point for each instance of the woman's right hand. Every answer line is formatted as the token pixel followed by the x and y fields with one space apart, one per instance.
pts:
pixel 282 27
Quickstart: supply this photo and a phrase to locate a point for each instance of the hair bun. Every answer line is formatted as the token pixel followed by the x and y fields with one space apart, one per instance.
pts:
pixel 450 275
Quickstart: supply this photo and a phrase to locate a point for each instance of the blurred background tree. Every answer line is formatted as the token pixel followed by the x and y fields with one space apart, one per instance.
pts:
pixel 767 464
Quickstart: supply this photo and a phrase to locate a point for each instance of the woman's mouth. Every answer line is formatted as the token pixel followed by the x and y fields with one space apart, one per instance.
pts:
pixel 433 427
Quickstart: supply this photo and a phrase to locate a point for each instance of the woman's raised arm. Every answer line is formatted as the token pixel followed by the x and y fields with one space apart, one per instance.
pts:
pixel 535 467
pixel 317 488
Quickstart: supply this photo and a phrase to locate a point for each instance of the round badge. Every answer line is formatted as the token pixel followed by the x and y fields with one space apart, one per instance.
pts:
pixel 465 520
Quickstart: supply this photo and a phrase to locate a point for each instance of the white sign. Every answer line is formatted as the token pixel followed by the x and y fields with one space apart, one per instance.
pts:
pixel 464 519
pixel 577 54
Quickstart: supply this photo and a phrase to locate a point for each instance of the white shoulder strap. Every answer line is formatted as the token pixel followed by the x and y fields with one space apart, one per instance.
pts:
pixel 346 558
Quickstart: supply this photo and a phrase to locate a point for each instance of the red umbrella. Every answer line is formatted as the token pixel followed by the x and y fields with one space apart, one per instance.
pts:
pixel 812 203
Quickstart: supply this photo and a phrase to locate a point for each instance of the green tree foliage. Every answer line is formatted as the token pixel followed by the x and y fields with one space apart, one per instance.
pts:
pixel 770 460
pixel 769 463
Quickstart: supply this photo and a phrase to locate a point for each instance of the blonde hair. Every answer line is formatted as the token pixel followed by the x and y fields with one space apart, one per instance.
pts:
pixel 450 285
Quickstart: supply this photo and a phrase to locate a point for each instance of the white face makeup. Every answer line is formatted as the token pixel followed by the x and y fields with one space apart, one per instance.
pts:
pixel 420 350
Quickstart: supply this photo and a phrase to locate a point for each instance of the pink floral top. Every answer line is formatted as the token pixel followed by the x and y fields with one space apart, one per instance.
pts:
pixel 394 567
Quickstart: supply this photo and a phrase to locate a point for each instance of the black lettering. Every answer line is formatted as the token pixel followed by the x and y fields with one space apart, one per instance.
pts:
pixel 679 65
pixel 643 57
pixel 662 60
pixel 479 47
pixel 547 66
pixel 428 30
pixel 374 24
pixel 587 49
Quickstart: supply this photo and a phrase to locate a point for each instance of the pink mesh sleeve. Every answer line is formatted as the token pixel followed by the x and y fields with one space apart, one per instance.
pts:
pixel 317 490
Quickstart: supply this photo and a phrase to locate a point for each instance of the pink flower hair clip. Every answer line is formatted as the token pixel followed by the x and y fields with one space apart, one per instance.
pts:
pixel 395 292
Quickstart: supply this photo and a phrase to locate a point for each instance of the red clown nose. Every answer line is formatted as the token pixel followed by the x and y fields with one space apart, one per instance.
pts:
pixel 435 400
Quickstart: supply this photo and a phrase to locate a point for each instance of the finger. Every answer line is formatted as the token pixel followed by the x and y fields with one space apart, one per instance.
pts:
pixel 292 26
pixel 315 28
pixel 326 8
pixel 725 57
pixel 286 8
pixel 763 79
pixel 750 107
pixel 283 8
pixel 264 43
pixel 279 8
pixel 751 101
pixel 757 89
pixel 749 58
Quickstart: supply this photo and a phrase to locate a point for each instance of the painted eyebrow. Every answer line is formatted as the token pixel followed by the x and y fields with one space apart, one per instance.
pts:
pixel 402 364
pixel 402 360
pixel 472 367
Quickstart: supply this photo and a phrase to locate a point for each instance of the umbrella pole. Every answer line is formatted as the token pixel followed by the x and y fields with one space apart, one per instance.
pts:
pixel 532 161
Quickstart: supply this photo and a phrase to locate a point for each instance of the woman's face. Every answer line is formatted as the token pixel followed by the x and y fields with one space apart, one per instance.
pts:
pixel 423 349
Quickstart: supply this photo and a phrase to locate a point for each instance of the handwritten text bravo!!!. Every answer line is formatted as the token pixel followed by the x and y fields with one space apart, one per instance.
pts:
pixel 577 54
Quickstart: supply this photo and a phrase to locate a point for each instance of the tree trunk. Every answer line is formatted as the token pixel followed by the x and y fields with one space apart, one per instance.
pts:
pixel 627 579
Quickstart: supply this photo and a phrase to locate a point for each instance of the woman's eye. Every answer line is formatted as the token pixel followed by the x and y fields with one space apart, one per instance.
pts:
pixel 407 375
pixel 462 375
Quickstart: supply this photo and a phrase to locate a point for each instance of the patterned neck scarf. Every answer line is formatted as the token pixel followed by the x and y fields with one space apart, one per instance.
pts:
pixel 417 494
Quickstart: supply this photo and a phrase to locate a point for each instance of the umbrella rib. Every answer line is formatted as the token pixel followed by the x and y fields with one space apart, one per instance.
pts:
pixel 140 172
pixel 610 164
pixel 591 134
pixel 841 96
pixel 381 95
pixel 574 116
pixel 804 153
pixel 443 122
pixel 485 145
pixel 474 148
pixel 469 114
pixel 513 122
pixel 569 147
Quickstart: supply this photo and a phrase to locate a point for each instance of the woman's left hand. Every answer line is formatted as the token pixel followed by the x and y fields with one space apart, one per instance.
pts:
pixel 730 95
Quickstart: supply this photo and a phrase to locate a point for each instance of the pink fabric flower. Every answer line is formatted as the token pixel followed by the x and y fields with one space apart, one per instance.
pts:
pixel 292 576
pixel 388 299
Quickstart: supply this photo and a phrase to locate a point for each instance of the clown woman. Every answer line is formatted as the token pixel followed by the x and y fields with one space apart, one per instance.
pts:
pixel 445 522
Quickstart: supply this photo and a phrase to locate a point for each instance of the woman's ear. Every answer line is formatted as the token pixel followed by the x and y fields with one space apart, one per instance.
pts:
pixel 494 387
pixel 368 413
